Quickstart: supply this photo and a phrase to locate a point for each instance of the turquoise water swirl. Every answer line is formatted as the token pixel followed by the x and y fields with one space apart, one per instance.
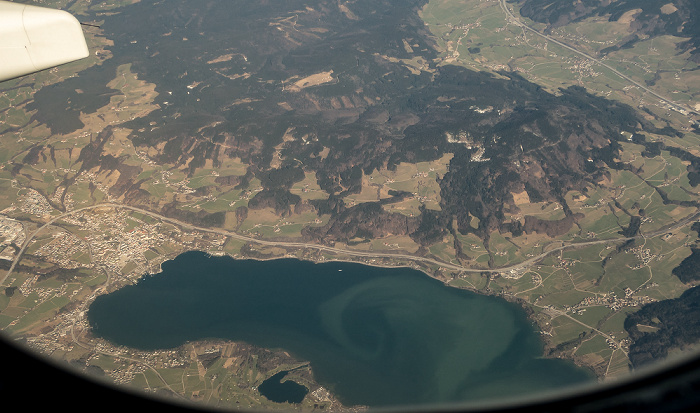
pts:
pixel 374 336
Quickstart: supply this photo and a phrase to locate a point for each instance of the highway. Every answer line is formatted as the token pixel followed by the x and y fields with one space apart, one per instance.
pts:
pixel 368 254
pixel 515 20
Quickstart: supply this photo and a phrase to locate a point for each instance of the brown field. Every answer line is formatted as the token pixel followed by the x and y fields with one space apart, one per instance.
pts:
pixel 313 80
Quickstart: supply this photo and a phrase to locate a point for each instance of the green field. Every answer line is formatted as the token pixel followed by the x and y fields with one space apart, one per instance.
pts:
pixel 476 34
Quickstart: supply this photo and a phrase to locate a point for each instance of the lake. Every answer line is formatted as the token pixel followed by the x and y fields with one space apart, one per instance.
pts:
pixel 374 336
pixel 282 391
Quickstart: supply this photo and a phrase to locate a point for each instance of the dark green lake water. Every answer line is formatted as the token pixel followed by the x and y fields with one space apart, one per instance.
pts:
pixel 282 391
pixel 374 336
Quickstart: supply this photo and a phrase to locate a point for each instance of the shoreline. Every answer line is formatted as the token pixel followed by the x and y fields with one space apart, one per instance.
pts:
pixel 207 254
pixel 358 257
pixel 294 249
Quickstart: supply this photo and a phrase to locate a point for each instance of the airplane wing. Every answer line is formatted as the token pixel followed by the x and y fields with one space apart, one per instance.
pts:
pixel 36 38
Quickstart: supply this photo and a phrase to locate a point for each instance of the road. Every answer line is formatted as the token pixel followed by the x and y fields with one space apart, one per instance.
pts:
pixel 368 254
pixel 515 20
